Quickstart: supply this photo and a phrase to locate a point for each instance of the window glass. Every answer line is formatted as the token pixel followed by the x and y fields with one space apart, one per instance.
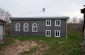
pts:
pixel 17 27
pixel 34 27
pixel 57 22
pixel 57 33
pixel 48 33
pixel 25 27
pixel 48 22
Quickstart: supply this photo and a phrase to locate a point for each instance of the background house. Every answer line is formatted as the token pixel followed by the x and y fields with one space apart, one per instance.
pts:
pixel 39 24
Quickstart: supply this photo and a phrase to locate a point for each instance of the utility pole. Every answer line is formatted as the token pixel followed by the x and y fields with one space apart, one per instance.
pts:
pixel 83 12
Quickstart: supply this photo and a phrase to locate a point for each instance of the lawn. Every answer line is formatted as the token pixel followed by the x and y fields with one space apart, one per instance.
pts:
pixel 57 46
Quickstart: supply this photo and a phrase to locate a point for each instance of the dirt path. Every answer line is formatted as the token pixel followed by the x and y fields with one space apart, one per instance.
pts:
pixel 21 46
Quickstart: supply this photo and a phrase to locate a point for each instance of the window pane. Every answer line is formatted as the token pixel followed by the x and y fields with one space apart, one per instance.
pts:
pixel 25 27
pixel 34 27
pixel 17 27
pixel 57 22
pixel 48 22
pixel 57 33
pixel 48 33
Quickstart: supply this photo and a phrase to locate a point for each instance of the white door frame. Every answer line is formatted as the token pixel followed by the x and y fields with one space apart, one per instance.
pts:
pixel 55 33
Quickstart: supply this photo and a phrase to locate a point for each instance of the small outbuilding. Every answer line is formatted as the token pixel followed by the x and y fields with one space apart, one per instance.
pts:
pixel 2 29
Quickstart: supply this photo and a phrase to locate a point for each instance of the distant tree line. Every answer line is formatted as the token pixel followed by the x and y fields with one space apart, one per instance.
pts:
pixel 75 24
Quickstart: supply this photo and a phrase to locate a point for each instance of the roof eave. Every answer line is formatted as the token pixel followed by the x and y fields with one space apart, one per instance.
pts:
pixel 17 18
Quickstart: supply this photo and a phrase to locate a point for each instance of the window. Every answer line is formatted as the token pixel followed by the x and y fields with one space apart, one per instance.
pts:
pixel 57 33
pixel 48 22
pixel 48 33
pixel 25 27
pixel 17 27
pixel 34 27
pixel 57 22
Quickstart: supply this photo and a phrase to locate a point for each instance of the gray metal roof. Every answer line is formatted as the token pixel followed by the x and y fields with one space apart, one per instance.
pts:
pixel 40 15
pixel 35 18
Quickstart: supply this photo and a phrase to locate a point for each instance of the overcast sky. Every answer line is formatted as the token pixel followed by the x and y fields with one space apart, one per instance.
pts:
pixel 23 7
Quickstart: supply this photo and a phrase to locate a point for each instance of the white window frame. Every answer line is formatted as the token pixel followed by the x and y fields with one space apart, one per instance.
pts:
pixel 48 21
pixel 56 23
pixel 55 33
pixel 34 27
pixel 46 33
pixel 17 27
pixel 25 25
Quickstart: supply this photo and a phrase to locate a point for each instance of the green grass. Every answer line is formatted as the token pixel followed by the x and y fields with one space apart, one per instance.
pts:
pixel 61 46
pixel 58 46
pixel 7 42
pixel 70 46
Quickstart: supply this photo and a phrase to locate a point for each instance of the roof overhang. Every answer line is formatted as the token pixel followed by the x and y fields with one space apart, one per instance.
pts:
pixel 35 18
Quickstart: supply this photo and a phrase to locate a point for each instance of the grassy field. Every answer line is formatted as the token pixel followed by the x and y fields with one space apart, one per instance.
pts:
pixel 57 46
pixel 7 42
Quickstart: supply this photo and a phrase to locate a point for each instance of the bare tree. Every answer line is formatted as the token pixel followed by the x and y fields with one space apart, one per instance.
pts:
pixel 4 15
pixel 74 20
pixel 81 20
pixel 69 20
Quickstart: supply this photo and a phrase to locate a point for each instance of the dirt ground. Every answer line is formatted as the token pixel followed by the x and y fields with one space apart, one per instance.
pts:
pixel 21 46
